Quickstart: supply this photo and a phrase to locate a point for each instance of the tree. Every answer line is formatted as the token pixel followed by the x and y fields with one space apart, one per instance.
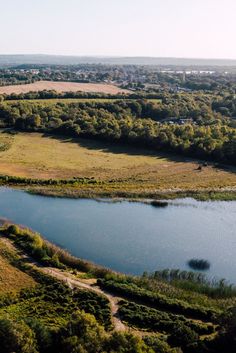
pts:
pixel 127 343
pixel 16 337
pixel 82 334
pixel 226 339
pixel 182 336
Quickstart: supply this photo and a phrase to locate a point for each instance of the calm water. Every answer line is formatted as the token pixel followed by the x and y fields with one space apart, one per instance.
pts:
pixel 132 237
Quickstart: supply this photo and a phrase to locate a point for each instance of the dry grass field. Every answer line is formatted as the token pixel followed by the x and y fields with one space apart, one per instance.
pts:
pixel 11 278
pixel 33 155
pixel 63 87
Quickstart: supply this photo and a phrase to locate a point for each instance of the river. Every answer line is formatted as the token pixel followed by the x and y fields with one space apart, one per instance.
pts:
pixel 132 237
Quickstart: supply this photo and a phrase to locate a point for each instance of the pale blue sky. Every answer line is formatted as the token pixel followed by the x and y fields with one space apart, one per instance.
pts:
pixel 179 28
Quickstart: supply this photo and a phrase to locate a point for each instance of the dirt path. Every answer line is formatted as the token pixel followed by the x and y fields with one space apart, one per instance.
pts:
pixel 76 283
pixel 72 282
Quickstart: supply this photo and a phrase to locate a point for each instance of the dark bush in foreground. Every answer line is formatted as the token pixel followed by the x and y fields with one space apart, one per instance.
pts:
pixel 16 337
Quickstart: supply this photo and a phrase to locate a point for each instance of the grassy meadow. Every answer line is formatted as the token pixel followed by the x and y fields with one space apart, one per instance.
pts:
pixel 119 170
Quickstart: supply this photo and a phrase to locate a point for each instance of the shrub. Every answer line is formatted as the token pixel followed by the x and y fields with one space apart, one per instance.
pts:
pixel 126 288
pixel 16 337
pixel 182 336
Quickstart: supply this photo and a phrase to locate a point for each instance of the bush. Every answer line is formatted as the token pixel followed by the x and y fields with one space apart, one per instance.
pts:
pixel 13 229
pixel 157 344
pixel 126 288
pixel 16 337
pixel 158 321
pixel 182 336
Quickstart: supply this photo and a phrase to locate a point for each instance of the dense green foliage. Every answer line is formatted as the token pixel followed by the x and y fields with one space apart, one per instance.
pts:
pixel 154 320
pixel 16 337
pixel 52 318
pixel 16 77
pixel 52 304
pixel 122 286
pixel 183 124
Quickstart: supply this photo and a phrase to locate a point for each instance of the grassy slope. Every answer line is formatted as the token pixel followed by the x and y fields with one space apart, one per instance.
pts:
pixel 132 171
pixel 11 278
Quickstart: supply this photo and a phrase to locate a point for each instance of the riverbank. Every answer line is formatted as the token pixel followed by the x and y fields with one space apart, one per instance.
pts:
pixel 116 301
pixel 91 188
pixel 145 196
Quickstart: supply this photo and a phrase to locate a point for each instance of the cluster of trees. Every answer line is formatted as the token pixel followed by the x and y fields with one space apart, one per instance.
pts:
pixel 206 81
pixel 225 104
pixel 126 121
pixel 16 77
pixel 51 94
pixel 55 319
pixel 82 334
pixel 197 106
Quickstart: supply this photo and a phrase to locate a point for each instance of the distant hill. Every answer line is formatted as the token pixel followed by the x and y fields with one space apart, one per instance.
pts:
pixel 12 60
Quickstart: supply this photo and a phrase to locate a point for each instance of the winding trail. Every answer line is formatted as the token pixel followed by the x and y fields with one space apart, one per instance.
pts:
pixel 81 283
pixel 72 282
pixel 76 283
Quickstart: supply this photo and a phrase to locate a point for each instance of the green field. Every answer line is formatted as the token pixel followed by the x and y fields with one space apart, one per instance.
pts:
pixel 122 170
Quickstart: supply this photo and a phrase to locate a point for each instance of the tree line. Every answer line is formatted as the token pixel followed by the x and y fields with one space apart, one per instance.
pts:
pixel 126 122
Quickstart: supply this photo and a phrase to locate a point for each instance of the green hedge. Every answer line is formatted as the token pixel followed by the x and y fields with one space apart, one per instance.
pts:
pixel 133 292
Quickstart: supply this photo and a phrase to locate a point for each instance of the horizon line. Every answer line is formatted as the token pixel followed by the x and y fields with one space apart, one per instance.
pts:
pixel 120 56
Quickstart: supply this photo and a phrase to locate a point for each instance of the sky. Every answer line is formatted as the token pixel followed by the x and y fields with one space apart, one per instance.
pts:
pixel 158 28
